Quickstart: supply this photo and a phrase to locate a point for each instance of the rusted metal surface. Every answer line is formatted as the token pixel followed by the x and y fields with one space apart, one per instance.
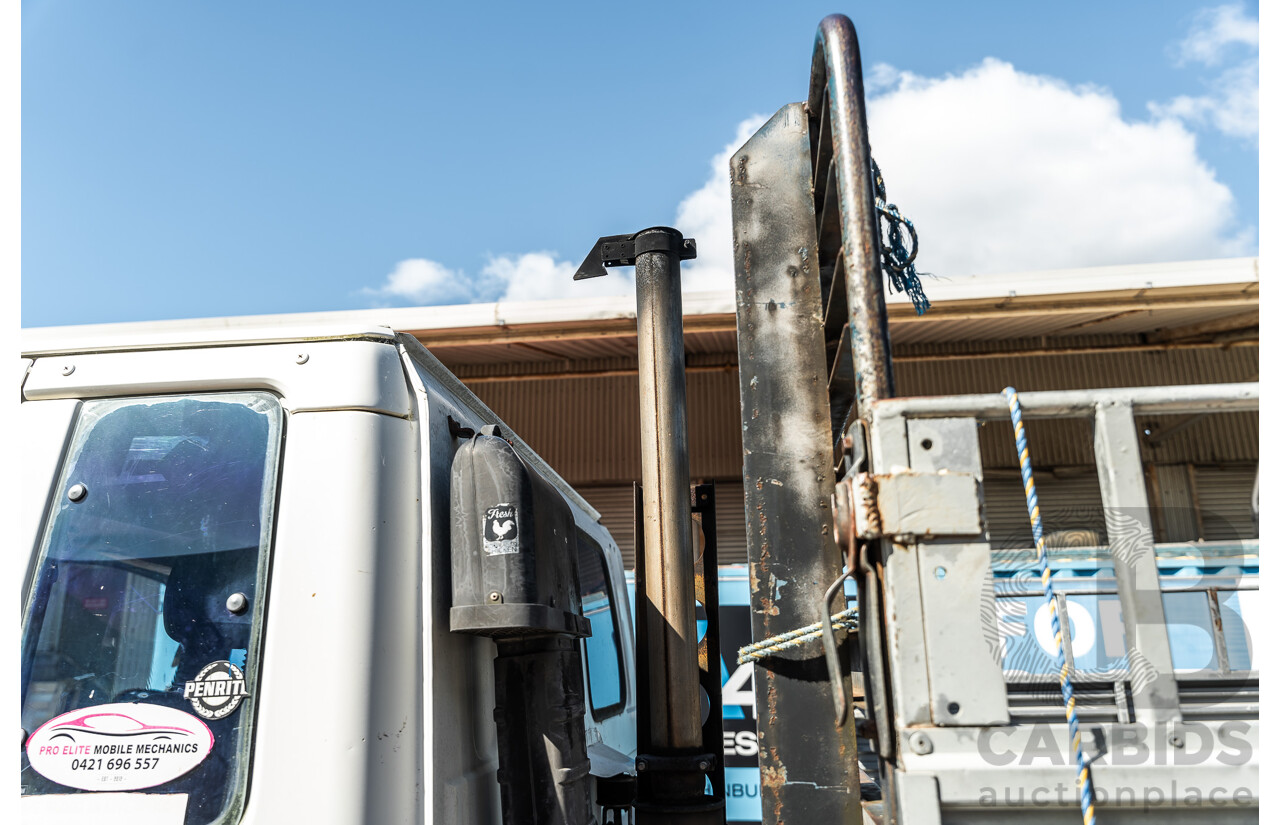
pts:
pixel 665 481
pixel 835 87
pixel 673 761
pixel 808 764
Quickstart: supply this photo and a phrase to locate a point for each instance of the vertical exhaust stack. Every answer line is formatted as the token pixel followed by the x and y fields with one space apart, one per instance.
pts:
pixel 673 761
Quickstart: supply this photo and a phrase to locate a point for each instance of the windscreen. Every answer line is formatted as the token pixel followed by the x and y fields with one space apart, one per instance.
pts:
pixel 142 625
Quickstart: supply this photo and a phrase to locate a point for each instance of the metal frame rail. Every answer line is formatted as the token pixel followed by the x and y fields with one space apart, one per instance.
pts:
pixel 920 502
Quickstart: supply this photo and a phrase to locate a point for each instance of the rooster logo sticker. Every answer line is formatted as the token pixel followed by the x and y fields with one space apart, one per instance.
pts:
pixel 500 530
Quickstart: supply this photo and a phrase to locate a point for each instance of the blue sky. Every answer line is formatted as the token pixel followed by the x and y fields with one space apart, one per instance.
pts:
pixel 191 160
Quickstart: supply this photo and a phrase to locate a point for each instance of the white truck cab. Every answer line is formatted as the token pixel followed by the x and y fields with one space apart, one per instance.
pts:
pixel 243 555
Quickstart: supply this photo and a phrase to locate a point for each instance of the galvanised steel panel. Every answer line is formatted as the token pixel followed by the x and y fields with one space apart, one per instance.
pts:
pixel 587 427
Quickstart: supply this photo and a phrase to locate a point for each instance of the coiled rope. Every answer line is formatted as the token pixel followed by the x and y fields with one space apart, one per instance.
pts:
pixel 899 262
pixel 844 620
pixel 1083 779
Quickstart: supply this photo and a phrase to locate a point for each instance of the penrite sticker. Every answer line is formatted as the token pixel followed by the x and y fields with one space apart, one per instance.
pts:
pixel 119 747
pixel 217 690
pixel 500 530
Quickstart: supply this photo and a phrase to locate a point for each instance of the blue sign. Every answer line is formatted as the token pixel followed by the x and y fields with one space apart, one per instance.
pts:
pixel 1022 620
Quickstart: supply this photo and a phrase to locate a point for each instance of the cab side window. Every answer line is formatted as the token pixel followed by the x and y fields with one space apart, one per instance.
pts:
pixel 602 650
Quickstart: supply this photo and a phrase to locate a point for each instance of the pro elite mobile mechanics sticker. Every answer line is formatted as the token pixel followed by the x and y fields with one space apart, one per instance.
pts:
pixel 500 530
pixel 119 747
pixel 217 690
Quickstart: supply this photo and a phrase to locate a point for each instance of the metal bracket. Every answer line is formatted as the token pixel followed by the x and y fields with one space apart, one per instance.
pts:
pixel 835 671
pixel 866 512
pixel 456 430
pixel 916 504
pixel 680 763
pixel 622 250
pixel 853 455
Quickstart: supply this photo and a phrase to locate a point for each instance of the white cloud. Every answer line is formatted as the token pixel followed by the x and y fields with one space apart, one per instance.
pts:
pixel 705 216
pixel 881 78
pixel 421 281
pixel 1002 171
pixel 533 276
pixel 537 276
pixel 1215 31
pixel 1231 105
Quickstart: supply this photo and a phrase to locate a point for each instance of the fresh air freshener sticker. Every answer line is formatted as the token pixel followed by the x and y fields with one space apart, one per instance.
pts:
pixel 500 532
pixel 119 747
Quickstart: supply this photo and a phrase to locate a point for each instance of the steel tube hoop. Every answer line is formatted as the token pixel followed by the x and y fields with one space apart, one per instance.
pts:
pixel 1190 398
pixel 675 720
pixel 837 72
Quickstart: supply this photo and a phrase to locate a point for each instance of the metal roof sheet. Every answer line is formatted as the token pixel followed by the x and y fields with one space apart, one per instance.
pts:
pixel 1134 298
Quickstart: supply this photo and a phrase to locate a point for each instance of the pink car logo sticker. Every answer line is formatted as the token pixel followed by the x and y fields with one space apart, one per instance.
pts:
pixel 119 747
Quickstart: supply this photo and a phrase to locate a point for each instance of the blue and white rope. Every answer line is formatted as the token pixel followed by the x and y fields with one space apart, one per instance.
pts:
pixel 844 620
pixel 1083 778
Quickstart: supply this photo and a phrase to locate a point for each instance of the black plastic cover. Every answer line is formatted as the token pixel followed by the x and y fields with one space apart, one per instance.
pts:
pixel 514 553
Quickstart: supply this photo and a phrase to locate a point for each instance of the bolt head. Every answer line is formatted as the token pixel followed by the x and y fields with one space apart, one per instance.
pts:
pixel 704 765
pixel 920 743
pixel 495 596
pixel 1176 740
pixel 68 369
pixel 77 492
pixel 302 358
pixel 237 603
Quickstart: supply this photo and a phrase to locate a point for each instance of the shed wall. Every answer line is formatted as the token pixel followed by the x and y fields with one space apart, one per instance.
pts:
pixel 587 426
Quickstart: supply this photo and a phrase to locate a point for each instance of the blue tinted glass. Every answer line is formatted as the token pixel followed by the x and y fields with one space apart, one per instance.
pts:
pixel 1233 607
pixel 161 515
pixel 602 649
pixel 1190 631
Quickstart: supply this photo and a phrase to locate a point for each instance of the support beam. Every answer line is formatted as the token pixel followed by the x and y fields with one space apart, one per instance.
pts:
pixel 1124 499
pixel 808 770
pixel 1231 323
